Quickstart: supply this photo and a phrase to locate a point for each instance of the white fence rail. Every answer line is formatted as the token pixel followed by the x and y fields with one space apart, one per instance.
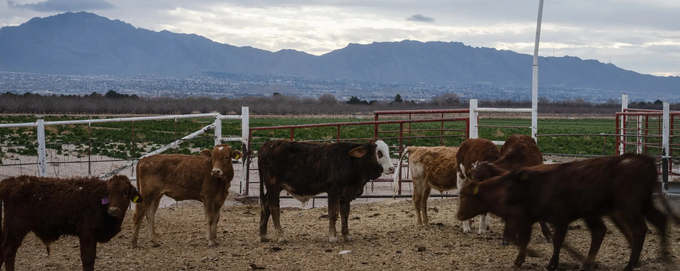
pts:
pixel 474 116
pixel 216 125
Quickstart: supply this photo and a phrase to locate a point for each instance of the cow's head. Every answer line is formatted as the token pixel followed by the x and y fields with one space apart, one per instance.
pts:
pixel 380 151
pixel 221 160
pixel 485 170
pixel 471 202
pixel 119 194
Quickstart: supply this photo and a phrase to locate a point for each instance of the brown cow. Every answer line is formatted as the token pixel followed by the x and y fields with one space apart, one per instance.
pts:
pixel 305 169
pixel 617 186
pixel 205 177
pixel 519 151
pixel 89 208
pixel 472 152
pixel 431 167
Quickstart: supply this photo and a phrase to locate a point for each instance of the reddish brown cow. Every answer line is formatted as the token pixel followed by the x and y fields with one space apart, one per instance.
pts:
pixel 471 152
pixel 205 177
pixel 617 186
pixel 89 208
pixel 519 151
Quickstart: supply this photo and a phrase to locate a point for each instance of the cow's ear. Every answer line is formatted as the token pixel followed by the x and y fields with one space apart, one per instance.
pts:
pixel 135 197
pixel 206 153
pixel 520 175
pixel 236 154
pixel 359 152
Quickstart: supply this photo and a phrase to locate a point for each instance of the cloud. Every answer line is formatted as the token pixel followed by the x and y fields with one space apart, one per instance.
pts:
pixel 62 5
pixel 420 18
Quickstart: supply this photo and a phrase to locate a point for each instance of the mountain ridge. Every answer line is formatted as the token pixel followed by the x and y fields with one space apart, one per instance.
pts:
pixel 85 43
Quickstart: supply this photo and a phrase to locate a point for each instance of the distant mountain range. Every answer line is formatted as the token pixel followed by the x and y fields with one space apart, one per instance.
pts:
pixel 85 43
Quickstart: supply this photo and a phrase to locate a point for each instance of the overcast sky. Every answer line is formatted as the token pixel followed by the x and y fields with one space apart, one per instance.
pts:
pixel 639 35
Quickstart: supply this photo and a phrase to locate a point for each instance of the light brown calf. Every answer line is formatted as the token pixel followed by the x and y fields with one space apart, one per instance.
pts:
pixel 431 167
pixel 205 177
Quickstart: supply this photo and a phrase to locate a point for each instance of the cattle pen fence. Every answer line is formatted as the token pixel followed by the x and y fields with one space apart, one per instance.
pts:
pixel 120 147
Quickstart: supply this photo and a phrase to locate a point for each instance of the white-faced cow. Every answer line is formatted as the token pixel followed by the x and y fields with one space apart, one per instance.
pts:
pixel 472 152
pixel 205 177
pixel 431 167
pixel 306 169
pixel 518 151
pixel 620 187
pixel 89 208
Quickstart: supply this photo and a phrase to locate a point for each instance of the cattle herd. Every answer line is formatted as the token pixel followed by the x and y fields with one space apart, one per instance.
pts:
pixel 512 183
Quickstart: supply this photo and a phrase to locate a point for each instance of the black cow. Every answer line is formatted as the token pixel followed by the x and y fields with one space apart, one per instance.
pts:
pixel 307 169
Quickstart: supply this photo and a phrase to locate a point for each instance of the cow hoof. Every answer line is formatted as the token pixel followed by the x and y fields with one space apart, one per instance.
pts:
pixel 212 244
pixel 505 243
pixel 347 238
pixel 264 239
pixel 481 232
pixel 332 239
pixel 466 230
pixel 281 240
pixel 155 244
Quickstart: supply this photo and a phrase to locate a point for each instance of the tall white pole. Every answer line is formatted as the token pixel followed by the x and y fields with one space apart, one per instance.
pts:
pixel 665 137
pixel 534 75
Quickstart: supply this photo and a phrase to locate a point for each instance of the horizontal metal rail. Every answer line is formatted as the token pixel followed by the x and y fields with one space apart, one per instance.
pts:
pixel 298 126
pixel 501 126
pixel 502 110
pixel 424 111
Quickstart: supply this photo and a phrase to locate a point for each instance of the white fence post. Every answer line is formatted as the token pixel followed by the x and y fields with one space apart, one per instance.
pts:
pixel 665 138
pixel 245 134
pixel 218 130
pixel 42 160
pixel 473 119
pixel 624 106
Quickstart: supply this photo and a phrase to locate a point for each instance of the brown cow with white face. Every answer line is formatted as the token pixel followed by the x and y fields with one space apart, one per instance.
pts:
pixel 205 177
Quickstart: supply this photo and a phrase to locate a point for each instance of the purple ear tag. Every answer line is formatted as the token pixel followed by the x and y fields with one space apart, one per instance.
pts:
pixel 105 200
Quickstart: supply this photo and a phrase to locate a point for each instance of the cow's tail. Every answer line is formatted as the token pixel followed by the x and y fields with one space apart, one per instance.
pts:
pixel 669 210
pixel 264 203
pixel 398 171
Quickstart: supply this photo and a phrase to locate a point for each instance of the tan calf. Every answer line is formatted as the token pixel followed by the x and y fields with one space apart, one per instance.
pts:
pixel 205 177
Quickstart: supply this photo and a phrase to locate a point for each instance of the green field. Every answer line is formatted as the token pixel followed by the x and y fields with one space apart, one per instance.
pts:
pixel 116 139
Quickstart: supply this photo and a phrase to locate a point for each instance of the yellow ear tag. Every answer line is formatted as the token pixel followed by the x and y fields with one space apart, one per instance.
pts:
pixel 525 176
pixel 237 156
pixel 475 190
pixel 134 200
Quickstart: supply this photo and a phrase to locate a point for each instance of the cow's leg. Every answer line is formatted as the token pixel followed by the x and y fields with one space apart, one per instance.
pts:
pixel 560 234
pixel 483 224
pixel 417 199
pixel 216 219
pixel 423 205
pixel 333 208
pixel 88 251
pixel 524 235
pixel 141 209
pixel 275 210
pixel 150 218
pixel 546 232
pixel 659 220
pixel 10 244
pixel 638 228
pixel 620 223
pixel 344 215
pixel 509 236
pixel 597 232
pixel 265 212
pixel 209 209
pixel 460 181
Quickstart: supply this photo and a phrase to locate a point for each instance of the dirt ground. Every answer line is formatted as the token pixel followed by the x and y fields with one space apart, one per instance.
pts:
pixel 384 233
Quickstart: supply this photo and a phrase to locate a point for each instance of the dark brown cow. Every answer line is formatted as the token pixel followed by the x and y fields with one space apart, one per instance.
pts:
pixel 205 177
pixel 89 208
pixel 471 152
pixel 306 169
pixel 519 151
pixel 617 186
